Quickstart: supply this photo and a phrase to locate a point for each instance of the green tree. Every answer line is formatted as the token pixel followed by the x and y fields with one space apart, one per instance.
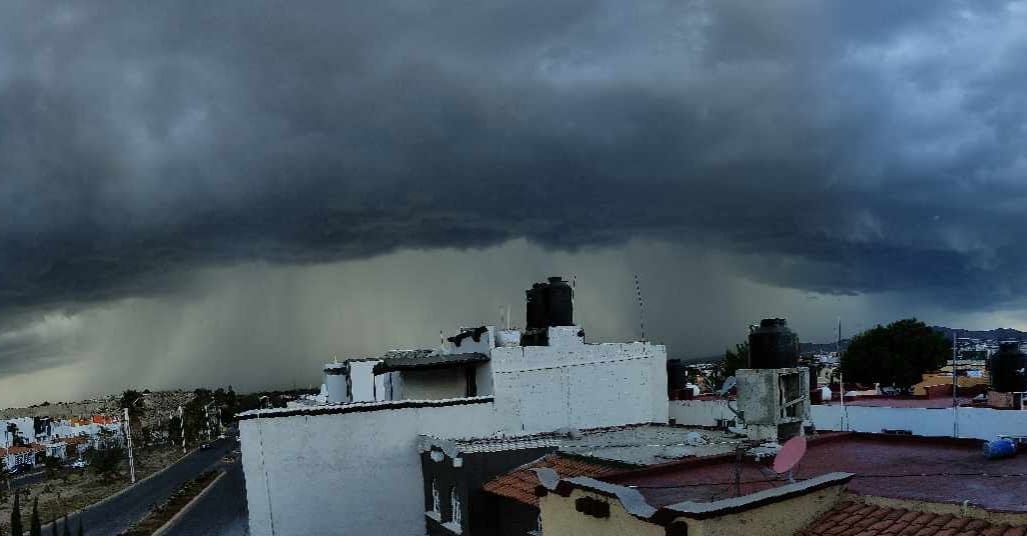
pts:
pixel 52 464
pixel 895 355
pixel 16 529
pixel 35 528
pixel 67 526
pixel 105 461
pixel 53 528
pixel 733 360
pixel 80 531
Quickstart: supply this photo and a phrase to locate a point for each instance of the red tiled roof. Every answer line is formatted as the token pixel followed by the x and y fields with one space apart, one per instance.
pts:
pixel 854 518
pixel 75 440
pixel 18 450
pixel 520 483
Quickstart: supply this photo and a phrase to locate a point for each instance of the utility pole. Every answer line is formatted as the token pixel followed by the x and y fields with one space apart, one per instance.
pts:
pixel 955 387
pixel 181 423
pixel 841 375
pixel 131 457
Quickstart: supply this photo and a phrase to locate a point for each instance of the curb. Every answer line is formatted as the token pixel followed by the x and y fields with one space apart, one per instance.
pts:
pixel 170 524
pixel 126 489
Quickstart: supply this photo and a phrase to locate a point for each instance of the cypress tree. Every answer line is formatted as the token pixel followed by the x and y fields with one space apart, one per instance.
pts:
pixel 35 528
pixel 53 528
pixel 16 529
pixel 67 526
pixel 80 533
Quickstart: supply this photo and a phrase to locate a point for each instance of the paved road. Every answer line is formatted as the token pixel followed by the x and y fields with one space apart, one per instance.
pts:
pixel 222 512
pixel 117 514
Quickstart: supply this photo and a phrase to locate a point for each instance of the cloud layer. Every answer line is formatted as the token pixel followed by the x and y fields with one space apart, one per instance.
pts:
pixel 873 146
pixel 844 149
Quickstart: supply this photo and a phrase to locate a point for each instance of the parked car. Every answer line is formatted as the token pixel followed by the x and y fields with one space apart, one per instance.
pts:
pixel 79 464
pixel 204 446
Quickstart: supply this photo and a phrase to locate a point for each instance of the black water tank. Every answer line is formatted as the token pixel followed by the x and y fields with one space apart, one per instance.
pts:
pixel 677 375
pixel 561 302
pixel 537 306
pixel 1004 369
pixel 813 370
pixel 773 345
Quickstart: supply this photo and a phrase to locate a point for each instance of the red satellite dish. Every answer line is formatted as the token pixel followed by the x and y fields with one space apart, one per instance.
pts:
pixel 791 452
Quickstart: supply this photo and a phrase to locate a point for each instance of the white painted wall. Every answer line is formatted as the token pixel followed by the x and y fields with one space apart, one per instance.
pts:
pixel 362 380
pixel 976 423
pixel 699 412
pixel 357 474
pixel 467 346
pixel 543 388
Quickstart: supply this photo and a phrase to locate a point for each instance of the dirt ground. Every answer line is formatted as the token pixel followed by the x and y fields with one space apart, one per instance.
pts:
pixel 70 489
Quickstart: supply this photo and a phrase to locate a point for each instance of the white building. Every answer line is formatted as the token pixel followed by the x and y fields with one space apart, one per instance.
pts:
pixel 354 468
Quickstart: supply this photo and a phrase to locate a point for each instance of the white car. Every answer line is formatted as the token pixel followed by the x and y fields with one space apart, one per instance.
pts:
pixel 79 464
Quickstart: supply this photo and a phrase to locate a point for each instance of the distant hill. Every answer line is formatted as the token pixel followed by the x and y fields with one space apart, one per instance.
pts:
pixel 992 334
pixel 816 347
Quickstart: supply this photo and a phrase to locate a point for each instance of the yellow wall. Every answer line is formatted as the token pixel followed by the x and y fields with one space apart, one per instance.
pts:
pixel 776 519
pixel 559 517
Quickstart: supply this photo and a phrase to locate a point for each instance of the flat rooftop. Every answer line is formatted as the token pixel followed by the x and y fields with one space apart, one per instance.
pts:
pixel 903 467
pixel 637 445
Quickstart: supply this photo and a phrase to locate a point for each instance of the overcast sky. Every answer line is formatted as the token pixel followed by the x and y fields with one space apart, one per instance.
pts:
pixel 199 192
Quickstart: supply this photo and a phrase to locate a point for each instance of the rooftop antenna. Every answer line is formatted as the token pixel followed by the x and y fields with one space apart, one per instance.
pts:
pixel 641 307
pixel 508 317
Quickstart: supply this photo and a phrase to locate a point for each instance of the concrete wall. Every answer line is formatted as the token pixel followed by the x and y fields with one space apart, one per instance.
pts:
pixel 977 423
pixel 543 388
pixel 352 473
pixel 560 518
pixel 437 384
pixel 698 412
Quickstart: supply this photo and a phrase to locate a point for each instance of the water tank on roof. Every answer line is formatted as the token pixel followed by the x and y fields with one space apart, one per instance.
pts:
pixel 773 346
pixel 561 302
pixel 537 305
pixel 1006 369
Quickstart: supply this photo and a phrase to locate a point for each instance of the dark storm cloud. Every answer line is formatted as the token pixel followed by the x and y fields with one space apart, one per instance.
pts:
pixel 860 147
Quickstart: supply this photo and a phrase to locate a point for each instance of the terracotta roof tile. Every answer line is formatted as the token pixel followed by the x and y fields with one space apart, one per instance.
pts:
pixel 857 519
pixel 520 483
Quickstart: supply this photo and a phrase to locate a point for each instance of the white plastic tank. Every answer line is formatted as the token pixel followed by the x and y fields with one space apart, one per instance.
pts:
pixel 336 380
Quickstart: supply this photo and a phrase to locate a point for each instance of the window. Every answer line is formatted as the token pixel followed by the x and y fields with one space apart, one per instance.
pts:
pixel 455 515
pixel 436 504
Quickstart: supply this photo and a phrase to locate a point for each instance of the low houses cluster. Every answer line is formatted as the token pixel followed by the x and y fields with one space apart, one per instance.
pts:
pixel 535 431
pixel 28 440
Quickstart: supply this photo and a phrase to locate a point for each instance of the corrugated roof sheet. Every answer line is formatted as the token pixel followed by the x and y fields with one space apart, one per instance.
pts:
pixel 520 483
pixel 394 361
pixel 851 518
